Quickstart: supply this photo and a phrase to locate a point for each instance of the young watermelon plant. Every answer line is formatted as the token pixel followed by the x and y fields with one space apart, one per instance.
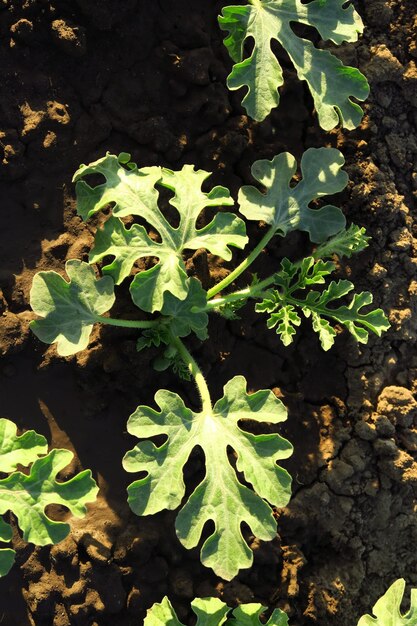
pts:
pixel 68 310
pixel 27 494
pixel 214 612
pixel 331 84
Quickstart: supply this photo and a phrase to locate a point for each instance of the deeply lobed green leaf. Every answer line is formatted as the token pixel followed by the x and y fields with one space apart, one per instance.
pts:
pixel 282 304
pixel 69 309
pixel 27 495
pixel 132 191
pixel 287 207
pixel 387 610
pixel 220 496
pixel 332 85
pixel 214 612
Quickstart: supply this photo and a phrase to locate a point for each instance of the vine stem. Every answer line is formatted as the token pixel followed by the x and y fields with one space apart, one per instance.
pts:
pixel 243 266
pixel 254 291
pixel 126 323
pixel 195 372
pixel 243 294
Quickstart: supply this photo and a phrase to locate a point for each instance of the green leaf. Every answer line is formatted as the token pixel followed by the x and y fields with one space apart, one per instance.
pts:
pixel 126 245
pixel 28 495
pixel 69 309
pixel 18 450
pixel 133 192
pixel 7 555
pixel 332 85
pixel 345 243
pixel 162 614
pixel 286 207
pixel 220 496
pixel 183 320
pixel 214 612
pixel 210 612
pixel 387 610
pixel 293 278
pixel 248 615
pixel 350 316
pixel 285 321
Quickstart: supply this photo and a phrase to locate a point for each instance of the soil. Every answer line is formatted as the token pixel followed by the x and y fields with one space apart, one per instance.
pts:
pixel 85 77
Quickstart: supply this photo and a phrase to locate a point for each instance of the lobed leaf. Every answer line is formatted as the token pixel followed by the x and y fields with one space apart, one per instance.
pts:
pixel 214 612
pixel 220 496
pixel 69 309
pixel 18 450
pixel 285 321
pixel 345 243
pixel 183 318
pixel 294 278
pixel 387 610
pixel 351 316
pixel 286 207
pixel 27 495
pixel 132 191
pixel 332 84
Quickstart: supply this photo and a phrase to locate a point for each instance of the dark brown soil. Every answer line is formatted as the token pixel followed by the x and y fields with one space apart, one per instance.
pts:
pixel 80 78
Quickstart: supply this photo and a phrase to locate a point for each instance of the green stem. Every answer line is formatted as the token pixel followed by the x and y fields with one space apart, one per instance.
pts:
pixel 243 294
pixel 243 266
pixel 196 373
pixel 126 323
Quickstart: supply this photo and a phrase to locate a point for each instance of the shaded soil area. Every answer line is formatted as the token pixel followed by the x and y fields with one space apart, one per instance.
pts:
pixel 85 77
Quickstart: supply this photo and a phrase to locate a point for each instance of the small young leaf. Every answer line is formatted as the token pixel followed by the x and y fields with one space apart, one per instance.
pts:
pixel 350 316
pixel 294 278
pixel 287 207
pixel 28 495
pixel 133 192
pixel 183 320
pixel 332 85
pixel 285 320
pixel 387 610
pixel 162 614
pixel 345 243
pixel 322 327
pixel 19 450
pixel 248 615
pixel 214 612
pixel 220 496
pixel 69 309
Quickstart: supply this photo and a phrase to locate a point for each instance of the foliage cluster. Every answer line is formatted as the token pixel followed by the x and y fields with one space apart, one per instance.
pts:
pixel 243 480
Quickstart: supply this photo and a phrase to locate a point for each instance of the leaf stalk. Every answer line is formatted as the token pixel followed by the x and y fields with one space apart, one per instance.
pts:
pixel 195 372
pixel 243 266
pixel 127 323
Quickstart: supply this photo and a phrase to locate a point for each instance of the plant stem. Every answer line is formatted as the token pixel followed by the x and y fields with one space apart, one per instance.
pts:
pixel 126 323
pixel 243 266
pixel 196 372
pixel 242 294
